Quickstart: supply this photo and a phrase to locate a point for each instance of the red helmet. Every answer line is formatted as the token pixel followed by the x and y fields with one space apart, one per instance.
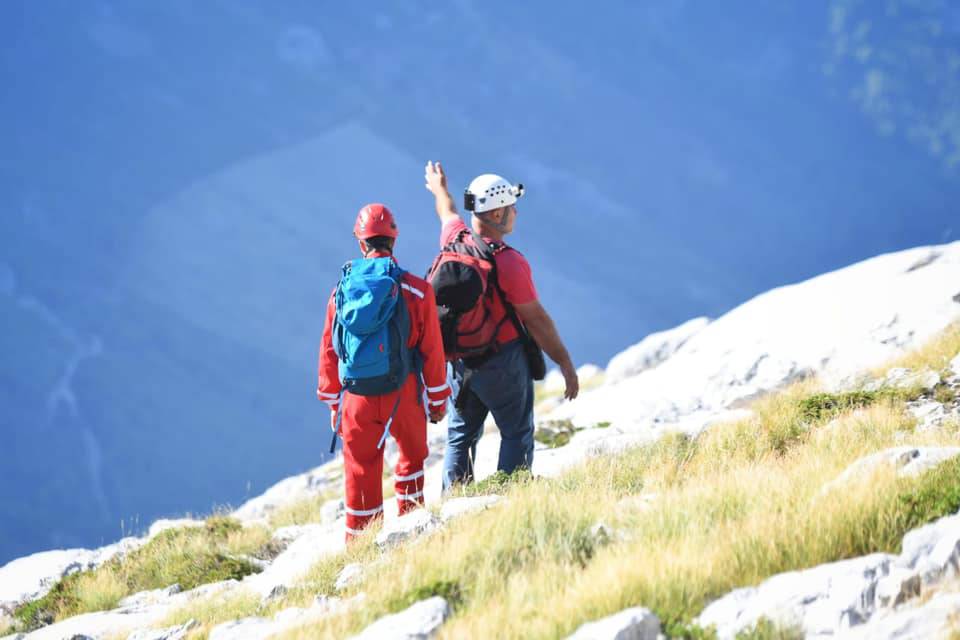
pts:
pixel 375 220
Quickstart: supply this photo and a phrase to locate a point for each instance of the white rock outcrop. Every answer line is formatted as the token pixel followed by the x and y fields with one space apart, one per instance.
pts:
pixel 33 576
pixel 935 618
pixel 287 491
pixel 420 621
pixel 311 543
pixel 178 632
pixel 350 574
pixel 457 507
pixel 406 527
pixel 834 325
pixel 906 462
pixel 636 623
pixel 652 350
pixel 834 599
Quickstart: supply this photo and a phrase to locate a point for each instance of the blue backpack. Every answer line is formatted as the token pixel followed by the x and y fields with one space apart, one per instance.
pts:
pixel 370 331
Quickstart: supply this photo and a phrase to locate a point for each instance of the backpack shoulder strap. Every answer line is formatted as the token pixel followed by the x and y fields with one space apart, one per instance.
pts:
pixel 489 252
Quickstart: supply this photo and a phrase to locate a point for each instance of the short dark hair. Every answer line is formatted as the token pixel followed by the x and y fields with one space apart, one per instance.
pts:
pixel 379 243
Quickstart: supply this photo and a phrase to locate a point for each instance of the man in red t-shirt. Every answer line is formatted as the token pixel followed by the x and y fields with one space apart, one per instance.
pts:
pixel 500 383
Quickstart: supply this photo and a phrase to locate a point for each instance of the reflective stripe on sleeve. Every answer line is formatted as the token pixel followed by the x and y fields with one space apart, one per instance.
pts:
pixel 410 497
pixel 415 292
pixel 324 394
pixel 354 532
pixel 437 403
pixel 443 387
pixel 412 476
pixel 363 512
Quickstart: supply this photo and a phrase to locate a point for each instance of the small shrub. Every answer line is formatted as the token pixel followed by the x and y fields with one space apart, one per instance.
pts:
pixel 601 425
pixel 944 394
pixel 821 407
pixel 687 631
pixel 555 433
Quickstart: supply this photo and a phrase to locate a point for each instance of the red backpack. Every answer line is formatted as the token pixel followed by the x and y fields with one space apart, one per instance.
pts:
pixel 464 282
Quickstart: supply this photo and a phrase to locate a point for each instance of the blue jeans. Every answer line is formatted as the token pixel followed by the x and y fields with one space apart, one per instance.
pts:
pixel 502 385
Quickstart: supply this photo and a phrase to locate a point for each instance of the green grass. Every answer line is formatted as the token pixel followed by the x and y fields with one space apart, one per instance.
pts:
pixel 189 556
pixel 496 483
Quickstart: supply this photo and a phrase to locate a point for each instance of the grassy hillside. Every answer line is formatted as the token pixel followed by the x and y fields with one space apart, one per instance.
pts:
pixel 688 520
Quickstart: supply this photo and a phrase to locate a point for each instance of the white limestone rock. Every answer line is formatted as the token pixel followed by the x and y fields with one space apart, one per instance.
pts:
pixel 906 461
pixel 935 618
pixel 602 534
pixel 406 527
pixel 834 598
pixel 636 623
pixel 457 507
pixel 933 551
pixel 902 378
pixel 289 490
pixel 178 632
pixel 783 335
pixel 900 585
pixel 251 628
pixel 929 414
pixel 418 622
pixel 349 575
pixel 823 600
pixel 332 510
pixel 150 597
pixel 256 628
pixel 652 350
pixel 102 624
pixel 31 577
pixel 314 542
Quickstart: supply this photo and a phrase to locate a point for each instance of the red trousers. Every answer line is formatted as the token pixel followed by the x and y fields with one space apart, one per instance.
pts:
pixel 362 425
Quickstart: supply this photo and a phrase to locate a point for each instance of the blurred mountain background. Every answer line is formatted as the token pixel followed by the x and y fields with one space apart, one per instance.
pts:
pixel 178 183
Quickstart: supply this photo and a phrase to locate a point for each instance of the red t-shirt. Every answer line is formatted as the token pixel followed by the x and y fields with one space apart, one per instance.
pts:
pixel 513 273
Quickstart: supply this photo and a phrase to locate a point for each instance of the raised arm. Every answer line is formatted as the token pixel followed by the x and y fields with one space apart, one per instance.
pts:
pixel 544 331
pixel 437 185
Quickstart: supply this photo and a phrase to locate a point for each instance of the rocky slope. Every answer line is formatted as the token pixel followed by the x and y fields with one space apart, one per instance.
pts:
pixel 834 326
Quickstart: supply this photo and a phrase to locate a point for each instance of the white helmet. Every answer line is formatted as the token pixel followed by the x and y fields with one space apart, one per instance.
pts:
pixel 488 192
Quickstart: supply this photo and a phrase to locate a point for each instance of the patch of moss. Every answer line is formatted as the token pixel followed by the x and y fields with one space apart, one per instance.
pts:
pixel 449 590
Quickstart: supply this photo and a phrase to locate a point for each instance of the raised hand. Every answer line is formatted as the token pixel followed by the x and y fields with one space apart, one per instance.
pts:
pixel 436 179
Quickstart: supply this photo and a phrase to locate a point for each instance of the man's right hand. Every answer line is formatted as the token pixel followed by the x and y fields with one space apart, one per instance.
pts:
pixel 436 179
pixel 437 185
pixel 438 413
pixel 572 382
